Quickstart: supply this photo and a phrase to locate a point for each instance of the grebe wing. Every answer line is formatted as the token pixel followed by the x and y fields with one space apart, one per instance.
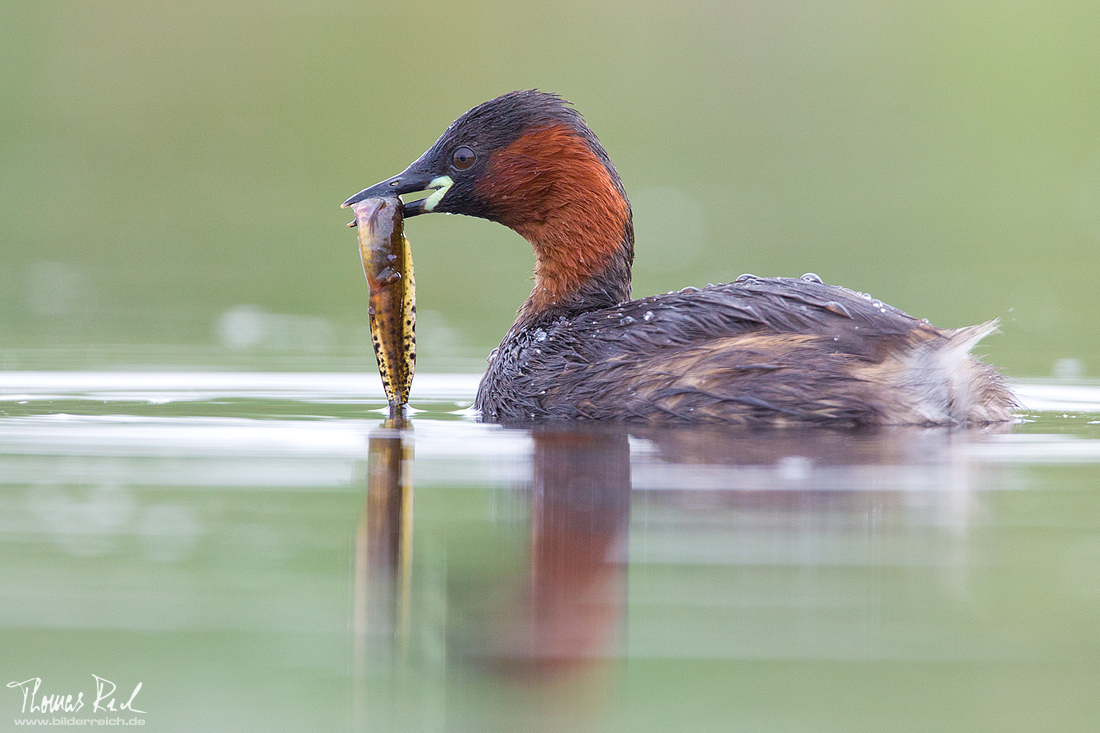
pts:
pixel 854 321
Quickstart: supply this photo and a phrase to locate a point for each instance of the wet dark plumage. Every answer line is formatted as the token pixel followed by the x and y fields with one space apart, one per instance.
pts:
pixel 759 351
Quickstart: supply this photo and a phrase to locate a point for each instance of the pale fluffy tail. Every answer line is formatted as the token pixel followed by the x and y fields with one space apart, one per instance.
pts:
pixel 944 383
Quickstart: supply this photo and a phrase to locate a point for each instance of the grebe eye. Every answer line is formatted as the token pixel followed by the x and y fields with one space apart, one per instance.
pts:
pixel 463 158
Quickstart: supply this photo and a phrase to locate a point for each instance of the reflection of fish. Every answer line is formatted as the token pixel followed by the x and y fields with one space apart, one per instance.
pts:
pixel 387 263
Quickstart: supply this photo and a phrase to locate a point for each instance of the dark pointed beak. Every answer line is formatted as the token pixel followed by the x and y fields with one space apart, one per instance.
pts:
pixel 408 181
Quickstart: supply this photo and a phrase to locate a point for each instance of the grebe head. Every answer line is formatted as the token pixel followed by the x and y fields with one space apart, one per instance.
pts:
pixel 528 160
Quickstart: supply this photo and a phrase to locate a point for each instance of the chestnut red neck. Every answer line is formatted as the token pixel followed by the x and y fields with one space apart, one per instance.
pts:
pixel 556 187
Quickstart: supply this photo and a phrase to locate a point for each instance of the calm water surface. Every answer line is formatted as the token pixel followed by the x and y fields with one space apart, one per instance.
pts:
pixel 267 552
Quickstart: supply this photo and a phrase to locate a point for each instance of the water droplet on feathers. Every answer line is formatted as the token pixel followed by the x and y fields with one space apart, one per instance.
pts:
pixel 648 316
pixel 626 320
pixel 834 307
pixel 811 277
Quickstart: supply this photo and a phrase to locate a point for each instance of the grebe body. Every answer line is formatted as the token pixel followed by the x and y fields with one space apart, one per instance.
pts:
pixel 758 351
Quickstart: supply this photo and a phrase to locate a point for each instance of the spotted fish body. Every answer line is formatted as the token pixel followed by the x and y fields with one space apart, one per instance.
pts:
pixel 387 263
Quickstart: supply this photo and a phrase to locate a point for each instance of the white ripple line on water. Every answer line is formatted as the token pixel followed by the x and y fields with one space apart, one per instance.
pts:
pixel 128 435
pixel 468 449
pixel 256 473
pixel 1057 397
pixel 161 387
pixel 1037 450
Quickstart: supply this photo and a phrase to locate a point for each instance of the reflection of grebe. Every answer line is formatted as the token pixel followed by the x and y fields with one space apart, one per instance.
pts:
pixel 756 351
pixel 575 593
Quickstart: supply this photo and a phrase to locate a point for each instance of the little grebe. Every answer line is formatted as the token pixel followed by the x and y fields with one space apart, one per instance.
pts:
pixel 758 351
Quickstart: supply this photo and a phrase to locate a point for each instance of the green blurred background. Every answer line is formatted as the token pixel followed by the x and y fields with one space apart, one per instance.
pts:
pixel 171 173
